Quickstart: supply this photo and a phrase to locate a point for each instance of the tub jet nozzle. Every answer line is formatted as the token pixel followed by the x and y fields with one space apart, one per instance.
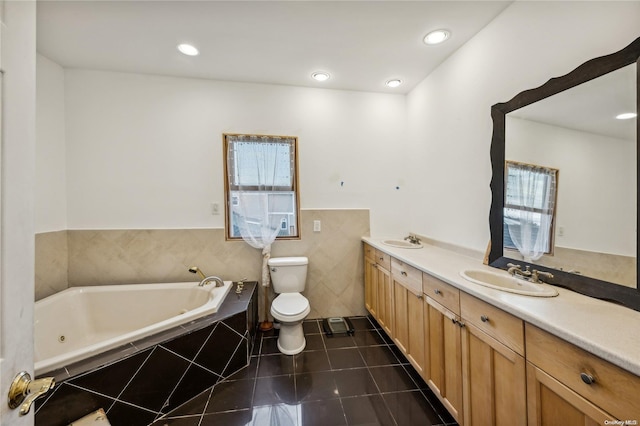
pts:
pixel 196 270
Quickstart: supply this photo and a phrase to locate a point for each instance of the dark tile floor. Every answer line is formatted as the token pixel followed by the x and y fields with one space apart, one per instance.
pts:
pixel 340 380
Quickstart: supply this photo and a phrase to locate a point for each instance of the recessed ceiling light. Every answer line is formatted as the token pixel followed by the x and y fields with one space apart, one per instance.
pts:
pixel 626 116
pixel 394 83
pixel 188 50
pixel 320 76
pixel 437 36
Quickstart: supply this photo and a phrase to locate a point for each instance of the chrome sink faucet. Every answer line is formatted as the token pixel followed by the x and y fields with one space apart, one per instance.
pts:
pixel 534 276
pixel 412 239
pixel 516 271
pixel 537 276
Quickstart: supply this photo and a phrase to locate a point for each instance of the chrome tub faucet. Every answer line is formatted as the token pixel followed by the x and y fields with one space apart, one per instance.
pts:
pixel 206 279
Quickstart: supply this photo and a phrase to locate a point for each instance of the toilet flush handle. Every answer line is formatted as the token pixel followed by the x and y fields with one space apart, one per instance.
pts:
pixel 273 269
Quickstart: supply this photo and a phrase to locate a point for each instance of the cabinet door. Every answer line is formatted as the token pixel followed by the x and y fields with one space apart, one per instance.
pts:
pixel 550 403
pixel 443 356
pixel 408 324
pixel 401 317
pixel 385 306
pixel 371 286
pixel 494 381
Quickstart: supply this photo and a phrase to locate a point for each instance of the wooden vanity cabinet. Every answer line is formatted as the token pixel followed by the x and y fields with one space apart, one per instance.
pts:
pixel 493 365
pixel 385 293
pixel 443 356
pixel 370 280
pixel 551 403
pixel 563 378
pixel 408 324
pixel 377 286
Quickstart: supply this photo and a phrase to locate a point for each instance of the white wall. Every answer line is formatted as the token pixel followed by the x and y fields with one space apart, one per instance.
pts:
pixel 51 184
pixel 597 189
pixel 449 122
pixel 146 151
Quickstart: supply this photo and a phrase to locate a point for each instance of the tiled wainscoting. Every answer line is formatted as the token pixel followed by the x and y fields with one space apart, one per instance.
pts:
pixel 97 257
pixel 137 389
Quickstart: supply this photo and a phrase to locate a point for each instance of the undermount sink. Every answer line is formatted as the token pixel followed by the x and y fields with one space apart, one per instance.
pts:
pixel 402 244
pixel 505 282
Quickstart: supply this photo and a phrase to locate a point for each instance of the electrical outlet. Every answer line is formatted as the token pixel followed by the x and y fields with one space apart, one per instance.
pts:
pixel 317 226
pixel 215 209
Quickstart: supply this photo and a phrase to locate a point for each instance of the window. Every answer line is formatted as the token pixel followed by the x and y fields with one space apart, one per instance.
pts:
pixel 529 208
pixel 261 186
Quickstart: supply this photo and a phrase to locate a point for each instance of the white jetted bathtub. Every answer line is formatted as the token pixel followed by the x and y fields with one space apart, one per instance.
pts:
pixel 80 322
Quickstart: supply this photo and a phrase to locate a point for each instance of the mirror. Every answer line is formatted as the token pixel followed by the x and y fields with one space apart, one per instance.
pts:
pixel 569 125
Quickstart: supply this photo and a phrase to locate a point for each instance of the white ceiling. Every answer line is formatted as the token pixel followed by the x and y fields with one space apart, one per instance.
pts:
pixel 361 44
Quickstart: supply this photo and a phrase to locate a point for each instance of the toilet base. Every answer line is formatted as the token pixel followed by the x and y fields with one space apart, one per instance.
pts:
pixel 291 339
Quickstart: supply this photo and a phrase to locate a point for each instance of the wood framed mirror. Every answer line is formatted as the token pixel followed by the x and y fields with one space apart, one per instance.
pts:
pixel 569 123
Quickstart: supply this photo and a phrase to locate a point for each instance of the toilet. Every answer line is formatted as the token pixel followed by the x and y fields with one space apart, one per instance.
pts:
pixel 288 277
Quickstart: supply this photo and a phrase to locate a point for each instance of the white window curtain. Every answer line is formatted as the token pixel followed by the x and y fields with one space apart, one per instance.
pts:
pixel 529 208
pixel 259 168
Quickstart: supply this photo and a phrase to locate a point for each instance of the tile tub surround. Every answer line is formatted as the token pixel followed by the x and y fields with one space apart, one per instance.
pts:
pixel 51 263
pixel 159 373
pixel 97 257
pixel 604 329
pixel 341 380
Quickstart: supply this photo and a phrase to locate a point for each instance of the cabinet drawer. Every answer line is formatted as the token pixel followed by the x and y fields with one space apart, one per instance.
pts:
pixel 407 275
pixel 613 389
pixel 369 252
pixel 443 293
pixel 497 323
pixel 383 259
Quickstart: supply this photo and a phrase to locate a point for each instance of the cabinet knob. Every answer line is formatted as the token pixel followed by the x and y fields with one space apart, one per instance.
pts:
pixel 381 259
pixel 436 291
pixel 484 318
pixel 419 296
pixel 587 378
pixel 403 273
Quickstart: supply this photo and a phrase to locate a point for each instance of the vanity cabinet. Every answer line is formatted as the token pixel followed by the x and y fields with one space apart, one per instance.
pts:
pixel 377 286
pixel 385 293
pixel 493 365
pixel 370 280
pixel 563 378
pixel 408 324
pixel 472 355
pixel 443 351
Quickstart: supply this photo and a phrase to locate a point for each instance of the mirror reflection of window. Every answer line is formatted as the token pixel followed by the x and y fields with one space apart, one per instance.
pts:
pixel 529 208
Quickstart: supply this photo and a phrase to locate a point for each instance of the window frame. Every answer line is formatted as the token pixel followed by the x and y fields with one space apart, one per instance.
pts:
pixel 227 187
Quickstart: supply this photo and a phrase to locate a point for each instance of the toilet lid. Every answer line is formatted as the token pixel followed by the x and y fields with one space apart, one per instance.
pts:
pixel 290 304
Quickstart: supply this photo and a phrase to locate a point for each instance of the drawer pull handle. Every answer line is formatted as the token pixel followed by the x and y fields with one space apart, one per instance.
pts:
pixel 587 378
pixel 484 318
pixel 381 259
pixel 419 296
pixel 436 291
pixel 403 273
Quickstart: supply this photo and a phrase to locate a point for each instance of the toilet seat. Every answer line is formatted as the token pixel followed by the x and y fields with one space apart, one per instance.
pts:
pixel 289 307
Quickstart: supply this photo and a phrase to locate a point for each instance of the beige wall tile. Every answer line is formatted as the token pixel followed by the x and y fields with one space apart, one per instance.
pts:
pixel 51 263
pixel 100 257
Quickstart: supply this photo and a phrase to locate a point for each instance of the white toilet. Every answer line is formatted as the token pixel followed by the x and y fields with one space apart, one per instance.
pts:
pixel 288 276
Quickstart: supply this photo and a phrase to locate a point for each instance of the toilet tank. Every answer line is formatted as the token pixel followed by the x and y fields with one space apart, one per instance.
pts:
pixel 288 274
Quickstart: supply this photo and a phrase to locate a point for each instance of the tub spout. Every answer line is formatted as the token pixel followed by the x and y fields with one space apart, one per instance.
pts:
pixel 207 280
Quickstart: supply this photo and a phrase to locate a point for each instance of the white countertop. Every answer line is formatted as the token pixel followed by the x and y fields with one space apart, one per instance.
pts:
pixel 607 330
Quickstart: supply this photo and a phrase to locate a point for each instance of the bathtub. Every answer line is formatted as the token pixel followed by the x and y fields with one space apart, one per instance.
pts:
pixel 81 322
